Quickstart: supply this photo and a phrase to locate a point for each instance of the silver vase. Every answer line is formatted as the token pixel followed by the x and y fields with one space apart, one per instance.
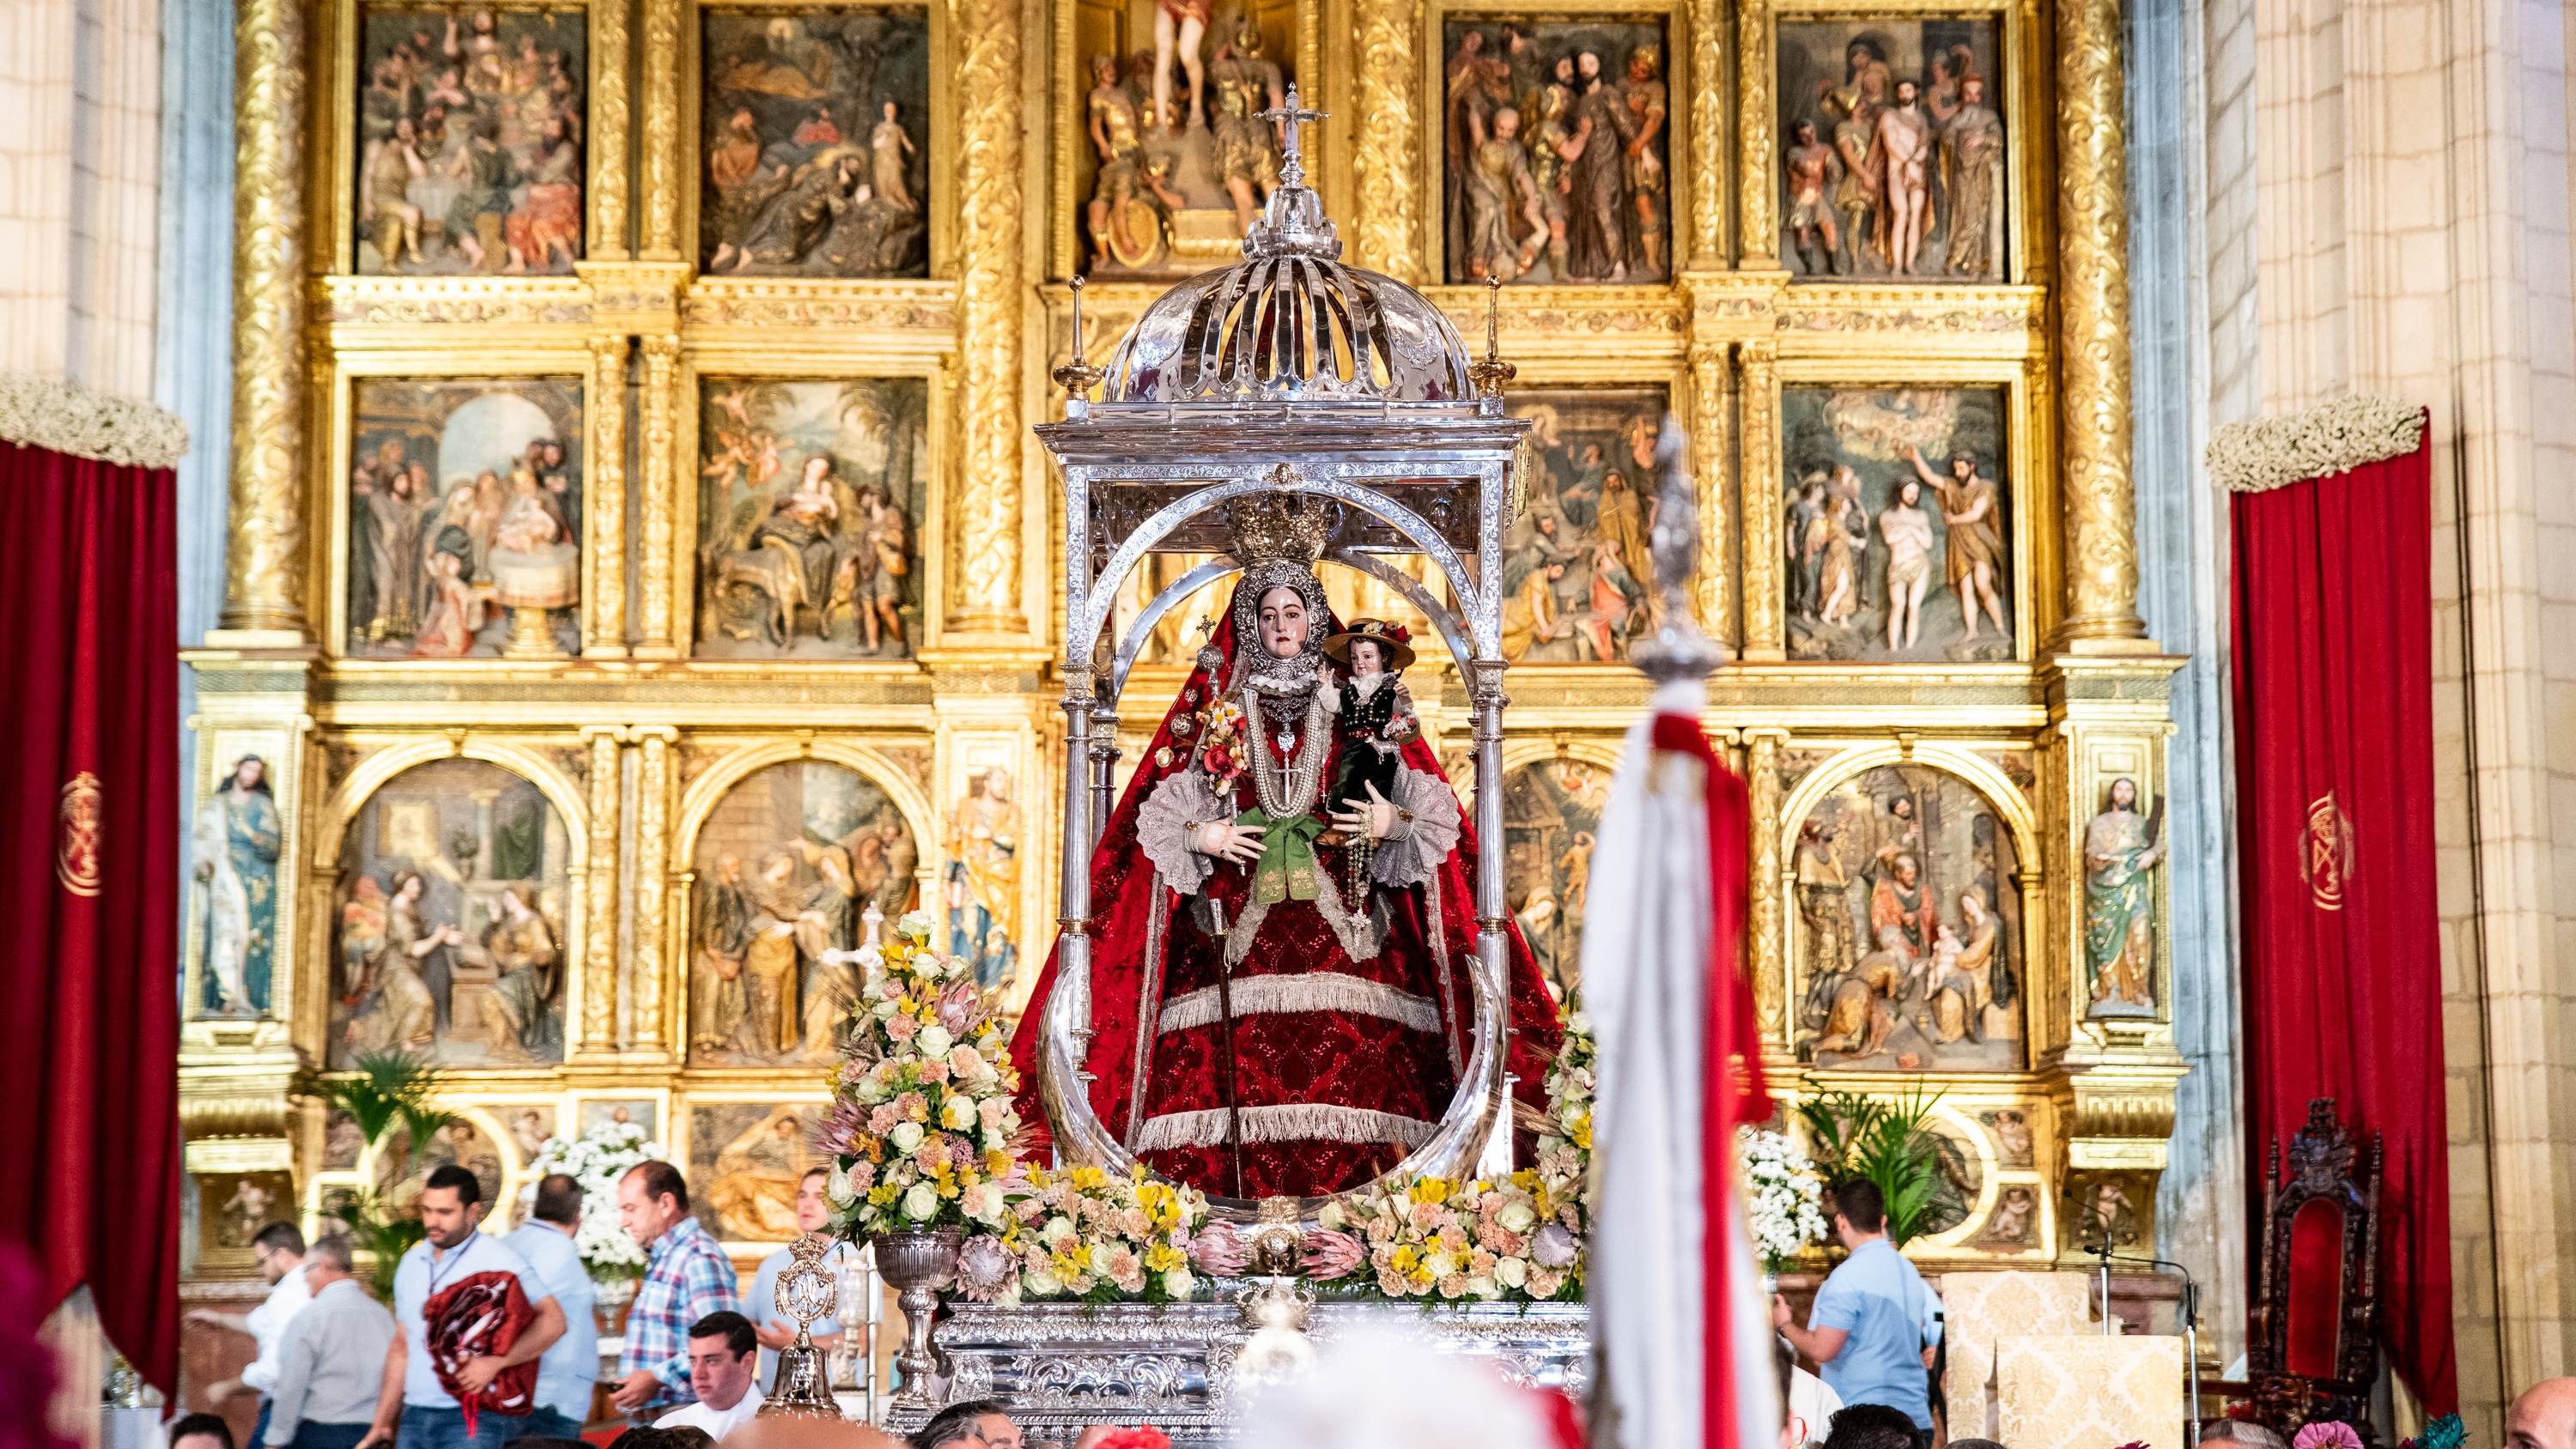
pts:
pixel 918 1262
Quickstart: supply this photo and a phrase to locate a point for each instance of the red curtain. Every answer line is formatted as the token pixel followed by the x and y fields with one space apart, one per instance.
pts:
pixel 2333 677
pixel 89 870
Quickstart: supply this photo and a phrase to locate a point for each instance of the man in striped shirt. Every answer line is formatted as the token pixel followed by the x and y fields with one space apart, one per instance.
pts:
pixel 686 1278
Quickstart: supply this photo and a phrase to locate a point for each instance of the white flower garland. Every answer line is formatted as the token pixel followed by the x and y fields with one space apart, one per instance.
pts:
pixel 2319 443
pixel 1784 1216
pixel 65 417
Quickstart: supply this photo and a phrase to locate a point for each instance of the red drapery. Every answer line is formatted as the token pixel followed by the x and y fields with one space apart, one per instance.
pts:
pixel 2332 603
pixel 89 864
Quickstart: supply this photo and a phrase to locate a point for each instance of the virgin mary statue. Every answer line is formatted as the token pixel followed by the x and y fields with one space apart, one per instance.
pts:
pixel 1264 1022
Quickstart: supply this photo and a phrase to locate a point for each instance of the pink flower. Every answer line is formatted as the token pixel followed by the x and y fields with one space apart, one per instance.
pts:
pixel 964 1060
pixel 1392 1284
pixel 1425 1215
pixel 957 1008
pixel 934 1070
pixel 1454 1286
pixel 1544 1282
pixel 990 1111
pixel 912 1107
pixel 932 1155
pixel 2326 1434
pixel 1481 1265
pixel 901 1027
pixel 863 1175
pixel 1453 1240
pixel 839 1125
pixel 882 1120
pixel 1135 1222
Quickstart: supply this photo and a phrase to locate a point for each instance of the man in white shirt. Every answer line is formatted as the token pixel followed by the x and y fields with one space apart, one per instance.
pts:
pixel 720 1374
pixel 567 1370
pixel 332 1361
pixel 775 1328
pixel 415 1410
pixel 278 1249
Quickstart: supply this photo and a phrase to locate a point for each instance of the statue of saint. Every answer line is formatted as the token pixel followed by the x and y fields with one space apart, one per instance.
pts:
pixel 1259 1028
pixel 236 843
pixel 2120 849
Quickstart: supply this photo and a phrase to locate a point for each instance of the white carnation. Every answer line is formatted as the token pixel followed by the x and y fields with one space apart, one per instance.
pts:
pixel 906 1136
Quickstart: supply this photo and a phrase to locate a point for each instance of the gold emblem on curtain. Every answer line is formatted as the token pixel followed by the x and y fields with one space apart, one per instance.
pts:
pixel 2325 852
pixel 76 852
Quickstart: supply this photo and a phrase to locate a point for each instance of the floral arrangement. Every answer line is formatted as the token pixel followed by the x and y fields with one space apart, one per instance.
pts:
pixel 1480 1240
pixel 921 1123
pixel 1087 1234
pixel 1565 1155
pixel 2325 1434
pixel 1784 1214
pixel 2446 1432
pixel 1221 750
pixel 597 1159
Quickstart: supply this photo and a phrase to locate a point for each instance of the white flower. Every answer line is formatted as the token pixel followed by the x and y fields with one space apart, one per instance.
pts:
pixel 915 924
pixel 1579 1024
pixel 957 1114
pixel 934 1040
pixel 837 1188
pixel 1056 1231
pixel 885 1006
pixel 1179 1283
pixel 1483 1288
pixel 1331 1218
pixel 1042 1281
pixel 1517 1217
pixel 906 1136
pixel 869 1090
pixel 920 1201
pixel 1102 1255
pixel 1439 1265
pixel 1511 1272
pixel 994 1141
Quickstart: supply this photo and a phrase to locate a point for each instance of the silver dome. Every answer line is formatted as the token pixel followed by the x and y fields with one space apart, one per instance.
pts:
pixel 1290 323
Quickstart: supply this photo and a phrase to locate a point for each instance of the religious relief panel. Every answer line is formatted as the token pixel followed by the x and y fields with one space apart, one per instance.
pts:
pixel 1896 521
pixel 817 142
pixel 464 501
pixel 2123 845
pixel 808 497
pixel 470 138
pixel 796 866
pixel 1578 577
pixel 745 1161
pixel 1907 945
pixel 1171 157
pixel 1893 149
pixel 980 883
pixel 1551 821
pixel 1555 147
pixel 448 921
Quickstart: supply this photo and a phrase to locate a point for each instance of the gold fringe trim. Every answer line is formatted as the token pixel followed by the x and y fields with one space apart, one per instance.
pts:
pixel 1291 1122
pixel 65 417
pixel 2335 437
pixel 1315 991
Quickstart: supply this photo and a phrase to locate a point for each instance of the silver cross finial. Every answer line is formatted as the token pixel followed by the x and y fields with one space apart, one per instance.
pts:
pixel 1292 165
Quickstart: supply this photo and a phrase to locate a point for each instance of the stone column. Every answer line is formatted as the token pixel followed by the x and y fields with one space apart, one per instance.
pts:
pixel 1382 228
pixel 1757 483
pixel 264 603
pixel 609 120
pixel 1768 928
pixel 984 587
pixel 660 492
pixel 603 634
pixel 1757 197
pixel 599 906
pixel 661 150
pixel 2101 558
pixel 653 779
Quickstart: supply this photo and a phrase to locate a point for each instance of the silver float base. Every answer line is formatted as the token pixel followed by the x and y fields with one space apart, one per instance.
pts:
pixel 1062 1367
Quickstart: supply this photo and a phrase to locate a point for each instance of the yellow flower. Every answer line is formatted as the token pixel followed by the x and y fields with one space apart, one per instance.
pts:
pixel 1088 1179
pixel 1163 1258
pixel 997 1164
pixel 884 1193
pixel 1404 1259
pixel 1430 1189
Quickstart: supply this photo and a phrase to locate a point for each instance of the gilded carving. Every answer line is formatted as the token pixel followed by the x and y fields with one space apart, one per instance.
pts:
pixel 609 119
pixel 264 554
pixel 1760 453
pixel 599 997
pixel 1769 941
pixel 661 149
pixel 1383 229
pixel 1540 315
pixel 604 637
pixel 652 881
pixel 1709 121
pixel 987 515
pixel 2101 556
pixel 554 301
pixel 1716 600
pixel 661 406
pixel 1758 213
pixel 925 307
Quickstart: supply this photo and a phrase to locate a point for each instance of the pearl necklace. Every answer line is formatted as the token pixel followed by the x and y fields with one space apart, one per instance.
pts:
pixel 1284 800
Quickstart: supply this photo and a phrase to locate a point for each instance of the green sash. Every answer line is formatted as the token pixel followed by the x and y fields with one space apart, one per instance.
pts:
pixel 1286 870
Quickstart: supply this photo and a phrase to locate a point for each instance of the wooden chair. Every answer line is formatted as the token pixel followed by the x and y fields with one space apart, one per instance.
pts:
pixel 2314 1355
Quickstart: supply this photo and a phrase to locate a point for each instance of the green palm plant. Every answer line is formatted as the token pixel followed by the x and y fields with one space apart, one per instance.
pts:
pixel 1890 1142
pixel 386 1089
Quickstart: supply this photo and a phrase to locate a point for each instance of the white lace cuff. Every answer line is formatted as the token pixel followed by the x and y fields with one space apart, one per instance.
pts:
pixel 1417 846
pixel 1163 828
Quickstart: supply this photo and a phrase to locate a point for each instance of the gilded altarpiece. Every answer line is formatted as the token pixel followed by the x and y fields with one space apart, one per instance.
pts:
pixel 873 671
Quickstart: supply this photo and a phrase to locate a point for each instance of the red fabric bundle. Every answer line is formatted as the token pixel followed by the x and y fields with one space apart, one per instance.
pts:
pixel 478 1316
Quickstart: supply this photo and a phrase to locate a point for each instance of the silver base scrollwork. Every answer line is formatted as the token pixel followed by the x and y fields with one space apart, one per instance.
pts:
pixel 1063 1367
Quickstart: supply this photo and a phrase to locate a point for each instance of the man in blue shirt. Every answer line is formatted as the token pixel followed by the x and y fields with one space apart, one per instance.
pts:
pixel 1875 1317
pixel 415 1410
pixel 568 1369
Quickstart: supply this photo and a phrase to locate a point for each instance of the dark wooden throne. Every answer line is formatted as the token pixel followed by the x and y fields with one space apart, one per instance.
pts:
pixel 2314 1355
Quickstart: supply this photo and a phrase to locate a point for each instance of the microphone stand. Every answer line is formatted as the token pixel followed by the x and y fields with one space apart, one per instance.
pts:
pixel 2188 1309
